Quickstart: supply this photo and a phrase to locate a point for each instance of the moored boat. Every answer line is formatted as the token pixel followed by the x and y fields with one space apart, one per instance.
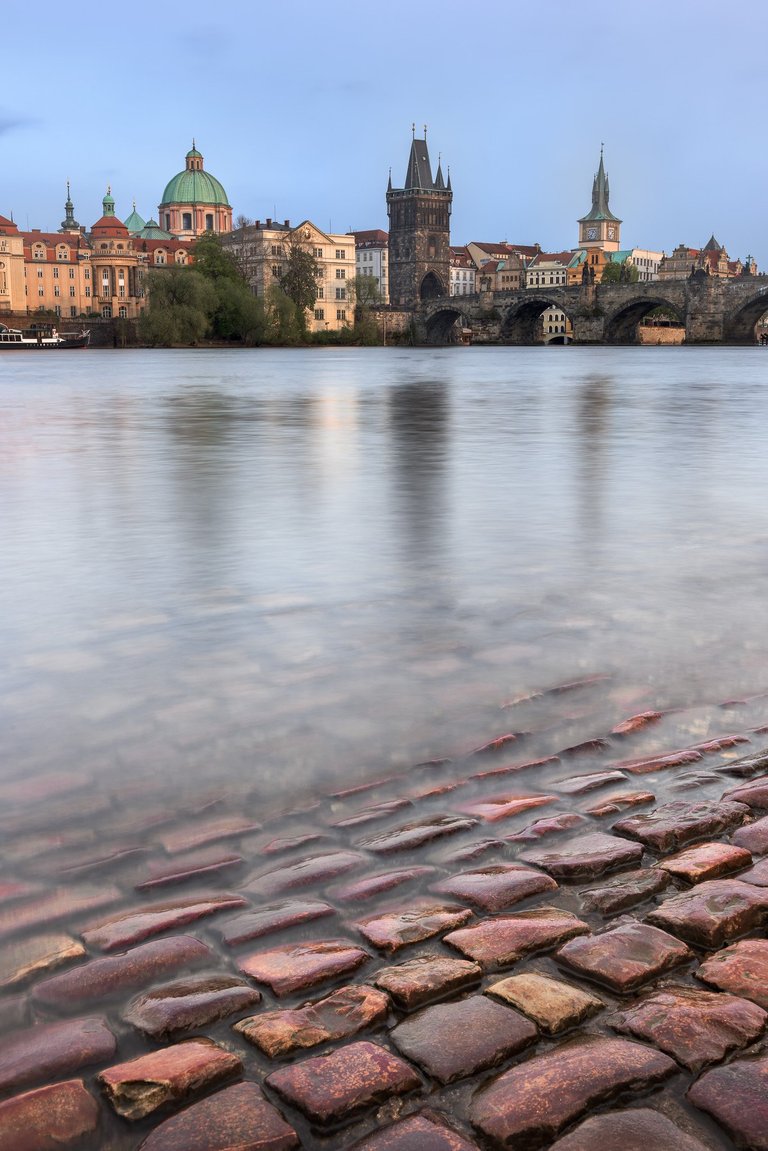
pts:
pixel 41 338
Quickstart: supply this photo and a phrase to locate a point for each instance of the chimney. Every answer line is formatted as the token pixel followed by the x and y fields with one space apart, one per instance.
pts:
pixel 287 223
pixel 269 222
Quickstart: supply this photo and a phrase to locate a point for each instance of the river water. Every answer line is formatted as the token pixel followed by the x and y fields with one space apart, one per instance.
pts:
pixel 296 570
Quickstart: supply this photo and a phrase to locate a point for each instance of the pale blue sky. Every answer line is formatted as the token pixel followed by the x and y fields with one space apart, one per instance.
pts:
pixel 300 109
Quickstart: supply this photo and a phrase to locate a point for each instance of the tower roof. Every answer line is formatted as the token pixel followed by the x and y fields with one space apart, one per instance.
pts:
pixel 712 245
pixel 134 222
pixel 194 185
pixel 419 174
pixel 600 195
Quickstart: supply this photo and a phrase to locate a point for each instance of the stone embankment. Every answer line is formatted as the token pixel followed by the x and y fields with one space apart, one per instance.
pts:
pixel 483 953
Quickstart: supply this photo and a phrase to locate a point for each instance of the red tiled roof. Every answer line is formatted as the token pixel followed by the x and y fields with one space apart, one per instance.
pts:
pixel 373 238
pixel 7 225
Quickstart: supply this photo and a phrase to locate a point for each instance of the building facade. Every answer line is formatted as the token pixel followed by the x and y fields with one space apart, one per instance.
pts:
pixel 419 231
pixel 462 273
pixel 372 259
pixel 261 250
pixel 711 260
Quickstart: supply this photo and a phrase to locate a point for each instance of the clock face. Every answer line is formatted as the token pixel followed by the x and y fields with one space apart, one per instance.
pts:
pixel 591 233
pixel 610 233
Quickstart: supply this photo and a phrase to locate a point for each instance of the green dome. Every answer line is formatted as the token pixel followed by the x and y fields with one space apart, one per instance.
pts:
pixel 194 187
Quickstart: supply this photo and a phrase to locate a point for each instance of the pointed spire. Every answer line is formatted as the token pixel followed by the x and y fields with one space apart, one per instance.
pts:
pixel 439 181
pixel 600 195
pixel 69 223
pixel 448 185
pixel 389 182
pixel 419 174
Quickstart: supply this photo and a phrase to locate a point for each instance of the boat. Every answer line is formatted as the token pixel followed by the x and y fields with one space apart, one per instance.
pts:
pixel 41 337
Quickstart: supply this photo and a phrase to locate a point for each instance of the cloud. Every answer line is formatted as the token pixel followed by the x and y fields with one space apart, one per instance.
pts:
pixel 9 122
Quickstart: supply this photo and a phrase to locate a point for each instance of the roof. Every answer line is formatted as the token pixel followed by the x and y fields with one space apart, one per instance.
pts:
pixel 108 226
pixel 712 245
pixel 505 249
pixel 541 258
pixel 134 222
pixel 373 238
pixel 194 185
pixel 152 231
pixel 7 225
pixel 600 195
pixel 419 174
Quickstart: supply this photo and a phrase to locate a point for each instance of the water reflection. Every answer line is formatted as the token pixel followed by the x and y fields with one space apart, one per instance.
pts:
pixel 310 567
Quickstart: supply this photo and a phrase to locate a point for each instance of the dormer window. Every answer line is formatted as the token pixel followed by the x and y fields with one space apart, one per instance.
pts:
pixel 62 252
pixel 38 252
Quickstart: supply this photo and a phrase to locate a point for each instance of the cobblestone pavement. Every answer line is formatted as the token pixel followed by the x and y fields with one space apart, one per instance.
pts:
pixel 484 951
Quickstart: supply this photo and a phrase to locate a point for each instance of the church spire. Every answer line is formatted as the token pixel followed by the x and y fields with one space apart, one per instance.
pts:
pixel 600 195
pixel 69 223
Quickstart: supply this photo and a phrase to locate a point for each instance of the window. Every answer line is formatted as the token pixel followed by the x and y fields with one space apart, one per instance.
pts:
pixel 277 271
pixel 186 221
pixel 319 313
pixel 341 293
pixel 341 273
pixel 341 253
pixel 39 273
pixel 55 273
pixel 57 309
pixel 121 291
pixel 317 253
pixel 88 293
pixel 72 310
pixel 320 293
pixel 122 312
pixel 275 249
pixel 341 314
pixel 72 289
pixel 106 312
pixel 209 221
pixel 71 273
pixel 167 221
pixel 87 273
pixel 38 252
pixel 56 290
pixel 41 290
pixel 160 257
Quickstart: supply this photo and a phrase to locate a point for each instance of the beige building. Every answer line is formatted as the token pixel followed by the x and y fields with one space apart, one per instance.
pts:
pixel 73 273
pixel 711 260
pixel 462 273
pixel 261 250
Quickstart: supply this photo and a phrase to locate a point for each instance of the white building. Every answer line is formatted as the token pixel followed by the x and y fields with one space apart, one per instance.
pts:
pixel 372 258
pixel 462 273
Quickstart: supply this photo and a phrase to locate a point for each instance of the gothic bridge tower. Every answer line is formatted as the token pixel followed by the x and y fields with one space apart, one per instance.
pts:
pixel 419 231
pixel 600 228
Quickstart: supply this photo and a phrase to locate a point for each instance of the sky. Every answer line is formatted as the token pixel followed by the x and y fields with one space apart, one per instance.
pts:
pixel 300 110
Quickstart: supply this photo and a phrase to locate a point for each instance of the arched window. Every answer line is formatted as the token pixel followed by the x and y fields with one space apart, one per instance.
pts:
pixel 38 252
pixel 160 256
pixel 186 221
pixel 62 252
pixel 209 221
pixel 181 257
pixel 106 312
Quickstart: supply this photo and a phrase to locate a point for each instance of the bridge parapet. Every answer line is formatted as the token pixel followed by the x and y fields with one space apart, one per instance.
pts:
pixel 710 309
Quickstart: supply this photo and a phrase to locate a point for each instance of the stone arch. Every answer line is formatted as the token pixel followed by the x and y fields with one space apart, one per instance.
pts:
pixel 520 322
pixel 431 287
pixel 443 325
pixel 739 325
pixel 621 325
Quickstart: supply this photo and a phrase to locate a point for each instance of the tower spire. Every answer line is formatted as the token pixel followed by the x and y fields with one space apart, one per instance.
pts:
pixel 69 223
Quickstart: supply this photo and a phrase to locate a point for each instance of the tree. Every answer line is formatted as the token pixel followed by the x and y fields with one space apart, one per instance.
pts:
pixel 181 304
pixel 364 292
pixel 624 273
pixel 213 261
pixel 299 278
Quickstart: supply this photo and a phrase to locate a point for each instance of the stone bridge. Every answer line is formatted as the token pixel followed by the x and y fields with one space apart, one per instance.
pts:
pixel 711 310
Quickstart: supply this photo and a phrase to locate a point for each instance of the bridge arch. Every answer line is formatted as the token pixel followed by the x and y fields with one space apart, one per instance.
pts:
pixel 521 319
pixel 739 325
pixel 621 325
pixel 431 287
pixel 443 323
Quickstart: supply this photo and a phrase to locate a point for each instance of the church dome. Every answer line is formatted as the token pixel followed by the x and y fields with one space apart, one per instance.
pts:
pixel 194 185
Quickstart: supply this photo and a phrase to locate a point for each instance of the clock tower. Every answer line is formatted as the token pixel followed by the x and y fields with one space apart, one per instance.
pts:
pixel 600 228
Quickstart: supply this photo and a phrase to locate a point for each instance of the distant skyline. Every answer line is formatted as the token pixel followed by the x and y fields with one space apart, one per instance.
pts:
pixel 300 111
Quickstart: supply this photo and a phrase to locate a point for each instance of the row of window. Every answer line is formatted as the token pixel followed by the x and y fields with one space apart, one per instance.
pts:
pixel 341 313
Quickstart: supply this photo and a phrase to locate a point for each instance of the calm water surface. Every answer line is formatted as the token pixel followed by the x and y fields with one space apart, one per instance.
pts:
pixel 302 568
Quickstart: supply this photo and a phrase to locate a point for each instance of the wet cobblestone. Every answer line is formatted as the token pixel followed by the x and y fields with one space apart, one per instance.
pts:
pixel 423 960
